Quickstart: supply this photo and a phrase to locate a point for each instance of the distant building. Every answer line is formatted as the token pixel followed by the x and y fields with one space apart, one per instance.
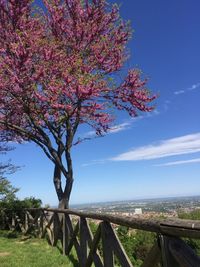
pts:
pixel 138 211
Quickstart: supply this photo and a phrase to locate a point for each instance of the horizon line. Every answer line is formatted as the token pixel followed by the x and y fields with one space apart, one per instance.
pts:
pixel 135 199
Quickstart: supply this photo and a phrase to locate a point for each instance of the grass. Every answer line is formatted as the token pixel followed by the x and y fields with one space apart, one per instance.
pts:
pixel 17 250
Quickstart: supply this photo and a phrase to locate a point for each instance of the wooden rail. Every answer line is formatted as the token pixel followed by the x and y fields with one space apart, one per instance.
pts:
pixel 72 228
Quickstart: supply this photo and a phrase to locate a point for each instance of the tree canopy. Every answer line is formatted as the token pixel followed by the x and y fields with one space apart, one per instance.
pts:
pixel 56 73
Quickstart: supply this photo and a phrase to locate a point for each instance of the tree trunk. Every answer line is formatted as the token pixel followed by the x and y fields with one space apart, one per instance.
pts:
pixel 63 204
pixel 63 196
pixel 57 182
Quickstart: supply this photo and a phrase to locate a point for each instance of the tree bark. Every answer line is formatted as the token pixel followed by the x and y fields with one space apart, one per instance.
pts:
pixel 63 192
pixel 63 196
pixel 63 204
pixel 57 182
pixel 64 201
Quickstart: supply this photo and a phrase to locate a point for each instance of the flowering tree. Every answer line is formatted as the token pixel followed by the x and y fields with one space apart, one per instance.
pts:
pixel 55 74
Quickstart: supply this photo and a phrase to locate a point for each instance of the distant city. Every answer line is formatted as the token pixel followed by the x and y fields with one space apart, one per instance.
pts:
pixel 169 207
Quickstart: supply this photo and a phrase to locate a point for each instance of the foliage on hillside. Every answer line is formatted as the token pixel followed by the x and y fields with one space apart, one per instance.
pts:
pixel 136 243
pixel 193 215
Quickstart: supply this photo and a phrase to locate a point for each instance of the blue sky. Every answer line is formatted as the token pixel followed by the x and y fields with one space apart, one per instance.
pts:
pixel 153 155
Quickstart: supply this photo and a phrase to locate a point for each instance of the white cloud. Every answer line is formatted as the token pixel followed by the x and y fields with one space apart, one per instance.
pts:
pixel 193 87
pixel 114 129
pixel 123 126
pixel 176 146
pixel 119 127
pixel 179 162
pixel 89 134
pixel 93 162
pixel 179 92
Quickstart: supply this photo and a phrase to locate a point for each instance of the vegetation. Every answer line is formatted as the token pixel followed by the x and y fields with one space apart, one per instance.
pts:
pixel 136 243
pixel 193 215
pixel 8 199
pixel 17 251
pixel 7 191
pixel 56 74
pixel 15 205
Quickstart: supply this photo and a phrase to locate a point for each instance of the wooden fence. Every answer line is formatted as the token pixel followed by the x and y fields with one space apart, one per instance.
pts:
pixel 72 228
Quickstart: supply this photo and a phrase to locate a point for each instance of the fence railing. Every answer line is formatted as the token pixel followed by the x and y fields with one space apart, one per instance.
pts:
pixel 73 229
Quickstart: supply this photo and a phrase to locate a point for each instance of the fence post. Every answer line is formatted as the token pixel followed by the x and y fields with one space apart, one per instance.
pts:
pixel 13 221
pixel 153 257
pixel 108 258
pixel 65 234
pixel 167 257
pixel 26 221
pixel 41 224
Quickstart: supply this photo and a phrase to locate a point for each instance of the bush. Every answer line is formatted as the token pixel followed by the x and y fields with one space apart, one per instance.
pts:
pixel 16 206
pixel 136 243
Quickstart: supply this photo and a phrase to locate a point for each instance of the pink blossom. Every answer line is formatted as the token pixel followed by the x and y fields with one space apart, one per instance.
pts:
pixel 54 66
